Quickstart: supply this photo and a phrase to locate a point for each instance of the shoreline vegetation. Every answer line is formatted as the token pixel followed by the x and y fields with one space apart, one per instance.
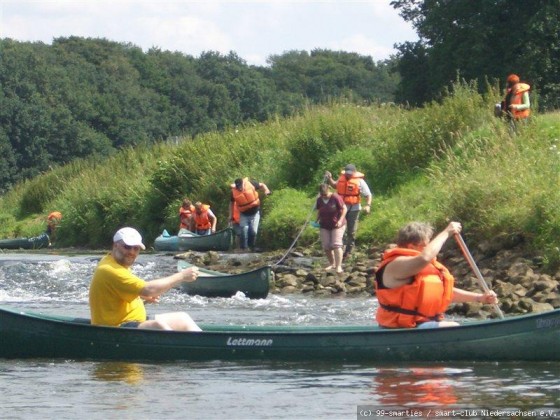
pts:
pixel 450 160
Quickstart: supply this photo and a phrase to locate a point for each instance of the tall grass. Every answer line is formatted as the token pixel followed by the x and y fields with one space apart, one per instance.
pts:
pixel 450 160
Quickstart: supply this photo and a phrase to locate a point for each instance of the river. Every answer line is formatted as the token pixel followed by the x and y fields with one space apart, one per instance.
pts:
pixel 68 389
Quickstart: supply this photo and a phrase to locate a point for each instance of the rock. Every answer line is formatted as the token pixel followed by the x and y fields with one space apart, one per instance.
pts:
pixel 544 283
pixel 287 280
pixel 289 289
pixel 211 257
pixel 516 276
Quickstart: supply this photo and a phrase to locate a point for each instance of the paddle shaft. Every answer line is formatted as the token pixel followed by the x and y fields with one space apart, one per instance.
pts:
pixel 475 269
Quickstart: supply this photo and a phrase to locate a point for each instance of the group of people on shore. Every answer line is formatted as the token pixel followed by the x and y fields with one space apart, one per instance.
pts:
pixel 413 289
pixel 244 213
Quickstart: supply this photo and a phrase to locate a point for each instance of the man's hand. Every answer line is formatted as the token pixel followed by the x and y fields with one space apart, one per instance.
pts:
pixel 150 299
pixel 190 274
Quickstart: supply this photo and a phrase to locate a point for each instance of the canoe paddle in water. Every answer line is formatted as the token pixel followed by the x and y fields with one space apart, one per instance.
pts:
pixel 476 271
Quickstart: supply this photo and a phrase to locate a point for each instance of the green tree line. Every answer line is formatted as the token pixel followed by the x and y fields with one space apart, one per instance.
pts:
pixel 482 40
pixel 83 97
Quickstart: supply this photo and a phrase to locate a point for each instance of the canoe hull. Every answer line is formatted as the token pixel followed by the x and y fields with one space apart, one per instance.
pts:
pixel 36 242
pixel 253 284
pixel 527 338
pixel 219 241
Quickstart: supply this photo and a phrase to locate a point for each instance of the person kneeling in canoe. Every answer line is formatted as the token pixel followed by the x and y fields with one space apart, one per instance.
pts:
pixel 116 295
pixel 413 289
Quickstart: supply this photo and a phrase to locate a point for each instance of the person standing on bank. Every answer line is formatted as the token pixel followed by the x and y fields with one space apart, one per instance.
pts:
pixel 204 219
pixel 351 186
pixel 413 289
pixel 116 296
pixel 245 193
pixel 516 104
pixel 331 216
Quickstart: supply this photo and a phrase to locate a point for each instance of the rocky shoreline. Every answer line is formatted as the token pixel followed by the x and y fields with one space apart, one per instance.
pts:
pixel 522 287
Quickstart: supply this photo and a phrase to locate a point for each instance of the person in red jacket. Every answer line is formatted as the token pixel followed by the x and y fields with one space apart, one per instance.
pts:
pixel 413 289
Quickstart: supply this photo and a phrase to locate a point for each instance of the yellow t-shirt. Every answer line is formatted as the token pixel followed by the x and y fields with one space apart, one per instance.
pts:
pixel 114 294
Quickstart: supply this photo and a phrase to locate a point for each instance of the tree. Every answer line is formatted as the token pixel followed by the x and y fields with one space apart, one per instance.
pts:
pixel 482 39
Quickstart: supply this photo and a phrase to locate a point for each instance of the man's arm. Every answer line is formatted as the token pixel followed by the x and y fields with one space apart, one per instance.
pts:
pixel 162 285
pixel 264 188
pixel 213 219
pixel 328 177
pixel 366 193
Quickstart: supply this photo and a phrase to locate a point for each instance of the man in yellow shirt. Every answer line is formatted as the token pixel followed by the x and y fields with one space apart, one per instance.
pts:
pixel 116 295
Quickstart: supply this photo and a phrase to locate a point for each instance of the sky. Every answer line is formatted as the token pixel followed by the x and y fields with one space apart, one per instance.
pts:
pixel 253 29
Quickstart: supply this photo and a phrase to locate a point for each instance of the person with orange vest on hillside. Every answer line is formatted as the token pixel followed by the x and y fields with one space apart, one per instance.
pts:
pixel 351 186
pixel 204 219
pixel 245 193
pixel 53 220
pixel 414 289
pixel 186 217
pixel 516 104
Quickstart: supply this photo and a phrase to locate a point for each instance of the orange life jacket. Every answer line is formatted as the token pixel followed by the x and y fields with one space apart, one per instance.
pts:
pixel 202 220
pixel 235 215
pixel 426 298
pixel 517 99
pixel 185 215
pixel 247 198
pixel 349 189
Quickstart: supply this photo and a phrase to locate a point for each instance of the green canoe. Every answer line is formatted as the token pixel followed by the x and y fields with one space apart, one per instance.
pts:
pixel 219 241
pixel 534 337
pixel 254 284
pixel 35 242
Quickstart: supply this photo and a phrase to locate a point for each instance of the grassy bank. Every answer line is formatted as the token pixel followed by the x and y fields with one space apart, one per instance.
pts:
pixel 448 161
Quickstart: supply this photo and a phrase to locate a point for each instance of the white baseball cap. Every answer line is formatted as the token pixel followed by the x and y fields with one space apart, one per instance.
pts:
pixel 129 236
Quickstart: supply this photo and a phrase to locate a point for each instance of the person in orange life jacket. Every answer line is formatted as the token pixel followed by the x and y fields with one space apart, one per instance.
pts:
pixel 117 296
pixel 516 104
pixel 204 219
pixel 351 186
pixel 186 217
pixel 53 220
pixel 413 289
pixel 245 193
pixel 331 216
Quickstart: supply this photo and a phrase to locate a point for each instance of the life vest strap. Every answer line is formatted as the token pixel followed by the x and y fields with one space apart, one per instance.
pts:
pixel 411 312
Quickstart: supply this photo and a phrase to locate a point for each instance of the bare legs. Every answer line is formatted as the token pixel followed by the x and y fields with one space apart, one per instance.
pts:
pixel 178 321
pixel 335 259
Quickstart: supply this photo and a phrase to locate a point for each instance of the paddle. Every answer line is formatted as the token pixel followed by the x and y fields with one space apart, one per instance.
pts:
pixel 476 271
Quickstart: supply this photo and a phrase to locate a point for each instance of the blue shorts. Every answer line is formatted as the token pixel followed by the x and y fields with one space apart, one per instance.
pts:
pixel 132 324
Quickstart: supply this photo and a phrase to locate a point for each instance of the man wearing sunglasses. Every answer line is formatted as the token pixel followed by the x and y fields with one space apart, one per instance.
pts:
pixel 117 296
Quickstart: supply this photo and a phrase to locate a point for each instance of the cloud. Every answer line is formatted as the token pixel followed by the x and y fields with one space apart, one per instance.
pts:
pixel 253 29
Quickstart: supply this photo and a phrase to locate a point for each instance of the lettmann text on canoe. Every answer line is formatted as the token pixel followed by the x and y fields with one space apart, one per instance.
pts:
pixel 249 342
